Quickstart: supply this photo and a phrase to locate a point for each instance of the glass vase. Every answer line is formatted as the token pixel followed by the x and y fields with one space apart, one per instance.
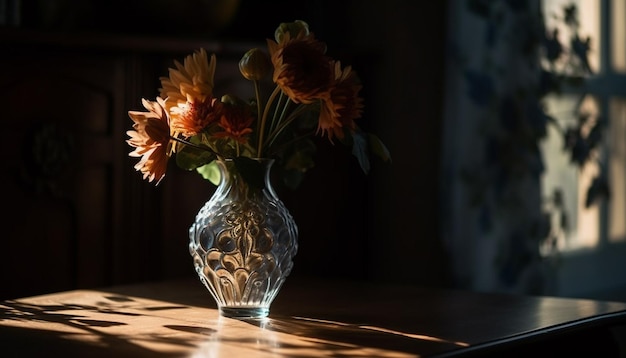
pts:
pixel 243 240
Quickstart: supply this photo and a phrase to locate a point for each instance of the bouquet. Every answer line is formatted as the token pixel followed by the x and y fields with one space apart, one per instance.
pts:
pixel 314 97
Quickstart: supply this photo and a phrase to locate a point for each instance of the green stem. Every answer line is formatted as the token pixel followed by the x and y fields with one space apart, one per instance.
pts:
pixel 199 147
pixel 276 119
pixel 289 142
pixel 264 119
pixel 301 108
pixel 285 107
pixel 257 93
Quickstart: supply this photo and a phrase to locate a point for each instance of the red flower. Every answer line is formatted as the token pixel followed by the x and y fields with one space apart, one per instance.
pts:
pixel 236 121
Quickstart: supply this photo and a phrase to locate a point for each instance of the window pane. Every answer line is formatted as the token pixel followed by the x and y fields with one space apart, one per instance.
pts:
pixel 617 170
pixel 618 35
pixel 589 24
pixel 564 176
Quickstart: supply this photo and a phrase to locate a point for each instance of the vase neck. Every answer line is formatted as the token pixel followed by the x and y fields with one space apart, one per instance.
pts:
pixel 248 177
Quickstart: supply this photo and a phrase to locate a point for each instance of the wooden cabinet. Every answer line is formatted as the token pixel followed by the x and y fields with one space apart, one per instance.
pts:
pixel 75 213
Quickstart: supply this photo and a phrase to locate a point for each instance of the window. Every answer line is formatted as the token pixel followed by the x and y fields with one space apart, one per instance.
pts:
pixel 604 23
pixel 491 240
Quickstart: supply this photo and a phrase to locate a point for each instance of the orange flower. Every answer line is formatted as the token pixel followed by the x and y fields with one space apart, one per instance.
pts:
pixel 151 139
pixel 236 121
pixel 188 92
pixel 343 105
pixel 191 80
pixel 301 68
pixel 192 117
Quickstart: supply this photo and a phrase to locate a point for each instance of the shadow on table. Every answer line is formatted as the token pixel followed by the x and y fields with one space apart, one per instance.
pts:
pixel 97 329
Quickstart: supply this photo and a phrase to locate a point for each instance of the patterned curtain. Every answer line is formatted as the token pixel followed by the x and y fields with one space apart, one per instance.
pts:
pixel 494 223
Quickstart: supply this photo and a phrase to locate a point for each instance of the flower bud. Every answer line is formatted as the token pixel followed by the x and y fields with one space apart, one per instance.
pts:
pixel 293 28
pixel 231 99
pixel 255 64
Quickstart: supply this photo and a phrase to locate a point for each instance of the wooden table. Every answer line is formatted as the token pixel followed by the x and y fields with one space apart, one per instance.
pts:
pixel 308 319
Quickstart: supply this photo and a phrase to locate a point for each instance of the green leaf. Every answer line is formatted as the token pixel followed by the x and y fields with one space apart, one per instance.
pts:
pixel 292 178
pixel 365 143
pixel 210 172
pixel 359 149
pixel 378 147
pixel 252 171
pixel 300 156
pixel 190 158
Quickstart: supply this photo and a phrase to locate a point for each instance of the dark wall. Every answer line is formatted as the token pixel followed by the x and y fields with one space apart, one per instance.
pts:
pixel 203 19
pixel 381 226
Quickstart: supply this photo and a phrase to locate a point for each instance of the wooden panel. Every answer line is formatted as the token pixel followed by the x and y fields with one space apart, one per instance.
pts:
pixel 79 214
pixel 55 106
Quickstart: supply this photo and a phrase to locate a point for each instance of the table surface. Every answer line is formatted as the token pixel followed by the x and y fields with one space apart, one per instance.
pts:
pixel 308 318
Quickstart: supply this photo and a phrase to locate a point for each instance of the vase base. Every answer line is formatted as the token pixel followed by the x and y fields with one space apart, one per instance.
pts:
pixel 244 312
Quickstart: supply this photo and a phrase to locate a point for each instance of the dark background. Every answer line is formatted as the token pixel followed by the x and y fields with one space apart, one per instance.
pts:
pixel 80 216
